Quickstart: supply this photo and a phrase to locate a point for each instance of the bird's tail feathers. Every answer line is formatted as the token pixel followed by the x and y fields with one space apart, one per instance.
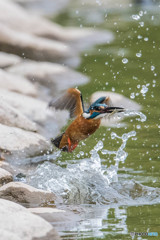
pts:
pixel 56 141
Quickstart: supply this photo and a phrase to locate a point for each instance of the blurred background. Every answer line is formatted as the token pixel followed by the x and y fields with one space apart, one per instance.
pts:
pixel 95 45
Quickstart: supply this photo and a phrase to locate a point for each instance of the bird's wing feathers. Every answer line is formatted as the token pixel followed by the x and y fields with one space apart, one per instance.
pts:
pixel 108 102
pixel 105 100
pixel 71 100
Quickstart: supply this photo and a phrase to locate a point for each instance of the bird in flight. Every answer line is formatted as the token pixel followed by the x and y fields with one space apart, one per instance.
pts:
pixel 86 122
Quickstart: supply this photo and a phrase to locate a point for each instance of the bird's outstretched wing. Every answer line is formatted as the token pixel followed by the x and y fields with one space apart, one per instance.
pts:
pixel 105 100
pixel 71 101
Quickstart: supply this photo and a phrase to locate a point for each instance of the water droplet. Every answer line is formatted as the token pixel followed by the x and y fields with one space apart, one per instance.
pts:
pixel 139 54
pixel 141 24
pixel 132 95
pixel 141 13
pixel 146 39
pixel 144 89
pixel 152 68
pixel 113 89
pixel 135 17
pixel 124 60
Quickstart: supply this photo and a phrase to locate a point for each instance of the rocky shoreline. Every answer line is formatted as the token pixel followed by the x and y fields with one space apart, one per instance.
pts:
pixel 36 57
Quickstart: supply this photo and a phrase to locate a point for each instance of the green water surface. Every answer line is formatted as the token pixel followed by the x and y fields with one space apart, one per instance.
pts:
pixel 139 42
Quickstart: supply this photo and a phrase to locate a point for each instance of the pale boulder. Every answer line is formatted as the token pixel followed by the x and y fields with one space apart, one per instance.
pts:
pixel 21 143
pixel 16 83
pixel 5 176
pixel 55 215
pixel 18 223
pixel 10 116
pixel 52 7
pixel 33 47
pixel 34 109
pixel 21 20
pixel 7 60
pixel 26 195
pixel 6 166
pixel 48 122
pixel 52 75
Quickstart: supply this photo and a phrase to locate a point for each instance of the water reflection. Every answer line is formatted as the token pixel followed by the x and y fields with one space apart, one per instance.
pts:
pixel 97 222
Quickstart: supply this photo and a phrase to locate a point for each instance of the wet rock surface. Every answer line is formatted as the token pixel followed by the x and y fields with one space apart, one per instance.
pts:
pixel 26 195
pixel 5 176
pixel 6 166
pixel 55 215
pixel 18 223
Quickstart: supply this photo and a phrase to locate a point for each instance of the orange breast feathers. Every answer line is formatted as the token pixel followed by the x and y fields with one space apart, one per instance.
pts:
pixel 79 129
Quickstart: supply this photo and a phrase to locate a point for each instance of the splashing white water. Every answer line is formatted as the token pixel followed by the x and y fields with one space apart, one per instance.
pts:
pixel 84 181
pixel 129 113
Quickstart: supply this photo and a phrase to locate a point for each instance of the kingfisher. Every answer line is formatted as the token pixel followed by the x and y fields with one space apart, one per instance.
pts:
pixel 86 122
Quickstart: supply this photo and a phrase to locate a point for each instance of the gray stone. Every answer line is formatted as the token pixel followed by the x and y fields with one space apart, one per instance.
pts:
pixel 7 167
pixel 49 122
pixel 55 215
pixel 33 47
pixel 7 59
pixel 10 116
pixel 21 143
pixel 5 176
pixel 18 223
pixel 54 76
pixel 26 195
pixel 41 7
pixel 16 83
pixel 34 109
pixel 22 20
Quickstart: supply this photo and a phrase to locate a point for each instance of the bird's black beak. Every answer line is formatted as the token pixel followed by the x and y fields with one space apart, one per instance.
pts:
pixel 113 110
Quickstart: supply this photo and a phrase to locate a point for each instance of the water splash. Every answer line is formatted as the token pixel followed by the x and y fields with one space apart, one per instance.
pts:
pixel 129 113
pixel 120 155
pixel 85 181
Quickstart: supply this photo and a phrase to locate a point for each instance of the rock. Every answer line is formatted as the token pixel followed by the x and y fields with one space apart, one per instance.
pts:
pixel 47 121
pixel 33 47
pixel 117 100
pixel 18 223
pixel 5 176
pixel 21 20
pixel 31 107
pixel 16 83
pixel 54 76
pixel 26 195
pixel 55 215
pixel 7 59
pixel 41 7
pixel 6 166
pixel 10 116
pixel 21 143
